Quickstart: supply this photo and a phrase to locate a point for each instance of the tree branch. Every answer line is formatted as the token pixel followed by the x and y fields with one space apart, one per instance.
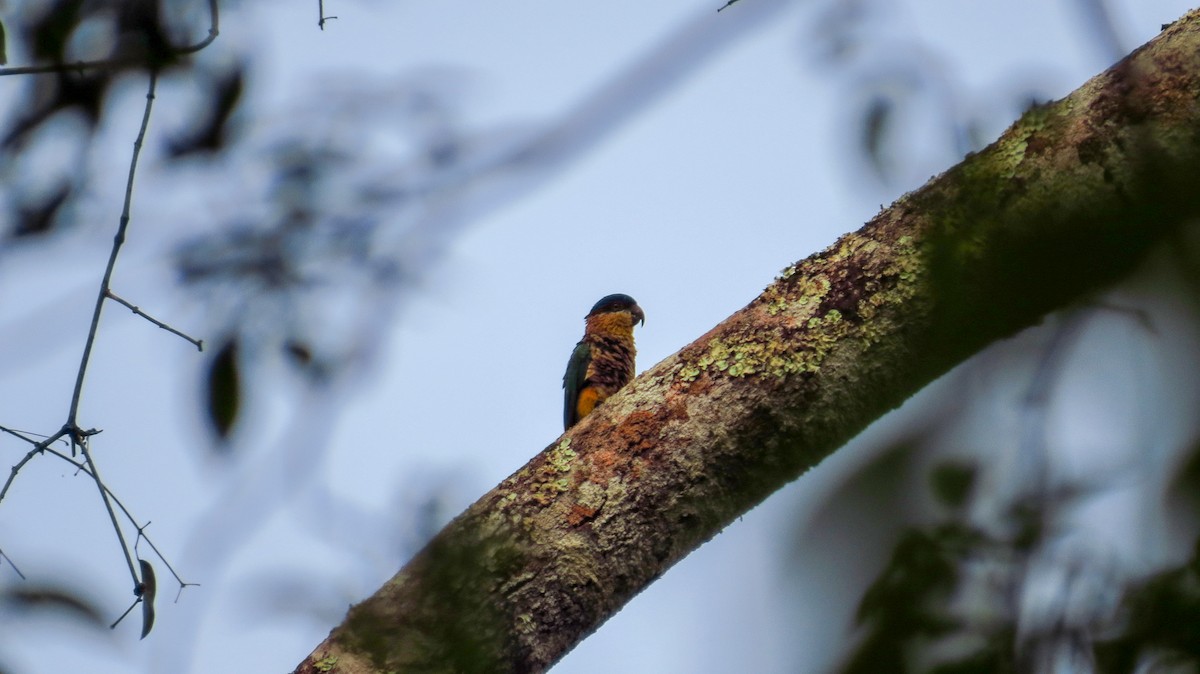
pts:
pixel 198 343
pixel 1065 202
pixel 121 63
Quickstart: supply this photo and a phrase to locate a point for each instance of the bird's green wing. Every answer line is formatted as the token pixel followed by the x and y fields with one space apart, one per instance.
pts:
pixel 573 382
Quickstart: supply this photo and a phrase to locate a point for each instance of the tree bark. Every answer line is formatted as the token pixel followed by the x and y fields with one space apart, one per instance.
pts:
pixel 1065 202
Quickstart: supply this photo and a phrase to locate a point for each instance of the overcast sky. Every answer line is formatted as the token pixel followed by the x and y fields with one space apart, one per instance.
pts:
pixel 690 196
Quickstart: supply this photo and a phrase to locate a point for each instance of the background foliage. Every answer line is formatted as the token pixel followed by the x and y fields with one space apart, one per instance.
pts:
pixel 1033 510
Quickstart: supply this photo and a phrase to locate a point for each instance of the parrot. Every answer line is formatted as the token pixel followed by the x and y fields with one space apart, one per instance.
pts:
pixel 603 361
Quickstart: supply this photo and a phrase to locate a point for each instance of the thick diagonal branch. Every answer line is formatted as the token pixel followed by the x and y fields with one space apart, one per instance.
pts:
pixel 1065 202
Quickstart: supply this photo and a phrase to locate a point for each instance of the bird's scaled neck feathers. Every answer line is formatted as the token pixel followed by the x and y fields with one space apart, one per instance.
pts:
pixel 614 324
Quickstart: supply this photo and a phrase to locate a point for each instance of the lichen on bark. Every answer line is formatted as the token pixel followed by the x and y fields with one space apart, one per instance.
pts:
pixel 1061 204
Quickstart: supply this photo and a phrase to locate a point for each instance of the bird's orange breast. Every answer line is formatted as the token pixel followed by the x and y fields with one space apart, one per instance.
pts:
pixel 589 397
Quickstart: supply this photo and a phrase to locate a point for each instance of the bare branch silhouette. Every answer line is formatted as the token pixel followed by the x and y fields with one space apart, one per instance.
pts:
pixel 38 448
pixel 321 12
pixel 119 63
pixel 71 431
pixel 44 447
pixel 4 557
pixel 198 343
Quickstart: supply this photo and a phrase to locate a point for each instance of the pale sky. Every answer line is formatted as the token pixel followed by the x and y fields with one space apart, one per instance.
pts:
pixel 690 200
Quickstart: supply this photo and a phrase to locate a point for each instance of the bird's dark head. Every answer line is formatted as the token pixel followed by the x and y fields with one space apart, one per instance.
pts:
pixel 618 302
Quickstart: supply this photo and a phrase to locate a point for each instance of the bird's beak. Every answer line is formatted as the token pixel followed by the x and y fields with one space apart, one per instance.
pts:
pixel 638 314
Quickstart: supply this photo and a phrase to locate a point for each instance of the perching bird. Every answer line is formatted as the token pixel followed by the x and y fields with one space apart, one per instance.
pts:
pixel 603 360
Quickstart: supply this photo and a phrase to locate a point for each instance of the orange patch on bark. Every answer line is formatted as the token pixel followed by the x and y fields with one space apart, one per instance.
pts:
pixel 580 514
pixel 603 466
pixel 637 432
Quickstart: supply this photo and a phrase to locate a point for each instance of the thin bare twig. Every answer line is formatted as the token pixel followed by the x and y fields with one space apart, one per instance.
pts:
pixel 112 64
pixel 321 11
pixel 213 31
pixel 24 435
pixel 79 437
pixel 141 528
pixel 17 469
pixel 10 563
pixel 198 343
pixel 136 601
pixel 82 443
pixel 38 447
pixel 118 241
pixel 44 446
pixel 142 536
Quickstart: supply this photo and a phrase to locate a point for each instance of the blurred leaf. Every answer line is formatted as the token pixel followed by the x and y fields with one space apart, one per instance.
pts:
pixel 62 92
pixel 55 598
pixel 224 389
pixel 1184 491
pixel 3 47
pixel 38 218
pixel 299 352
pixel 952 483
pixel 1028 518
pixel 149 589
pixel 994 658
pixel 1163 622
pixel 921 569
pixel 141 45
pixel 141 34
pixel 909 604
pixel 212 129
pixel 52 30
pixel 876 119
pixel 977 135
